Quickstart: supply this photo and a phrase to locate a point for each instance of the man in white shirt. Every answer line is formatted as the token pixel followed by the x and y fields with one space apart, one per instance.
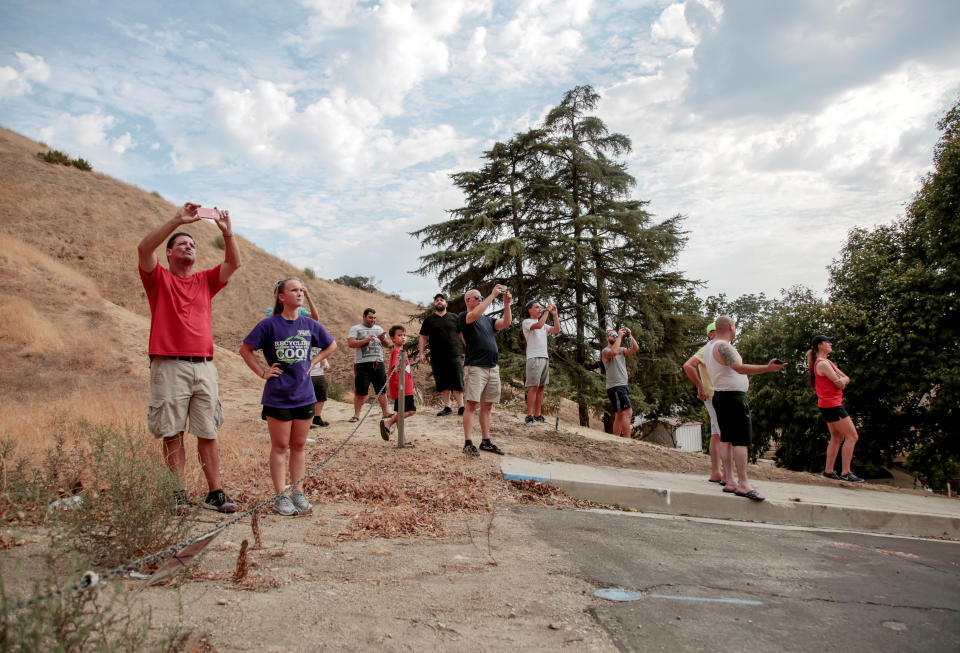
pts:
pixel 538 363
pixel 730 383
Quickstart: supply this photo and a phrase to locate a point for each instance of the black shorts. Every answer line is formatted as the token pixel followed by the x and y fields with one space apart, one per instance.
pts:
pixel 367 373
pixel 834 413
pixel 733 417
pixel 288 414
pixel 408 404
pixel 619 396
pixel 320 386
pixel 448 373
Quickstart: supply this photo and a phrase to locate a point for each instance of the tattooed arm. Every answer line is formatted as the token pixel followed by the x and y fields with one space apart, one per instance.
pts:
pixel 725 354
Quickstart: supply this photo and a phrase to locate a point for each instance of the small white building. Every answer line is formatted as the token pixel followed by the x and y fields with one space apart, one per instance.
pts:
pixel 671 432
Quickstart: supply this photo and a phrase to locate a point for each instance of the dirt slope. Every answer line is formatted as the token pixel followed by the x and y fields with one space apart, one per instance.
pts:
pixel 69 243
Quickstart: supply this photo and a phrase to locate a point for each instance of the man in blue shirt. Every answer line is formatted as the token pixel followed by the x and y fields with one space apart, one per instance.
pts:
pixel 481 372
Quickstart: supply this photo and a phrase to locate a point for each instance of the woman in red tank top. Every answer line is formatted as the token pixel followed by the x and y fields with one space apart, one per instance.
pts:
pixel 828 382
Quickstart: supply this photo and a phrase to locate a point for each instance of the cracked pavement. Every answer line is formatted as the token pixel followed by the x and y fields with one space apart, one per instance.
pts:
pixel 818 589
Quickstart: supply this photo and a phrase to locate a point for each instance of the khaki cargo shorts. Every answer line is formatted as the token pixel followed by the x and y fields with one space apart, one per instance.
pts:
pixel 180 390
pixel 481 384
pixel 538 372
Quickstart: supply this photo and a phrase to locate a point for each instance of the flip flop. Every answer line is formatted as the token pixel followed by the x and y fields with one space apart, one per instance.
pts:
pixel 718 480
pixel 730 490
pixel 354 419
pixel 384 431
pixel 753 495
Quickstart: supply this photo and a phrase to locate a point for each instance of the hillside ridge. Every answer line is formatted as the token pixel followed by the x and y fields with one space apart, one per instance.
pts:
pixel 77 316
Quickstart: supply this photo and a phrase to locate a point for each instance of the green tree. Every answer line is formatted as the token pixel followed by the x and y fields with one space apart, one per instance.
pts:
pixel 549 214
pixel 898 317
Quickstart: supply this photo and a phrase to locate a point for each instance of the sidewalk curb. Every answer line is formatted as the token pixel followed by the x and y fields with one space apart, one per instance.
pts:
pixel 636 490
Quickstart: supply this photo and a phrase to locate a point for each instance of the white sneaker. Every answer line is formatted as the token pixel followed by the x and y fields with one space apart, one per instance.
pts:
pixel 299 500
pixel 284 506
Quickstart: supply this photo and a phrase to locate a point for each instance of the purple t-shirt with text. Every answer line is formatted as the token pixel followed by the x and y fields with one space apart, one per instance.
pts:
pixel 288 342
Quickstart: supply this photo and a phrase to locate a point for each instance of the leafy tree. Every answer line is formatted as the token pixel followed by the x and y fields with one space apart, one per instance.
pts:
pixel 898 317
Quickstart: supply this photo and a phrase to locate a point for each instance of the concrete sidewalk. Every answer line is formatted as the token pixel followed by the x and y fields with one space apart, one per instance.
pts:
pixel 853 507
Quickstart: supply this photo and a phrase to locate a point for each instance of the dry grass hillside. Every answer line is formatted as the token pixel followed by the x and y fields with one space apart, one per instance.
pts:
pixel 76 316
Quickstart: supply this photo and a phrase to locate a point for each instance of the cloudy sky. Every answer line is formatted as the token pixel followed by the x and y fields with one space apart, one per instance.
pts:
pixel 330 127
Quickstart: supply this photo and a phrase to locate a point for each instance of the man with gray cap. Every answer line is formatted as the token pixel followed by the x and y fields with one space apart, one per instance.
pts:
pixel 696 370
pixel 446 353
pixel 538 364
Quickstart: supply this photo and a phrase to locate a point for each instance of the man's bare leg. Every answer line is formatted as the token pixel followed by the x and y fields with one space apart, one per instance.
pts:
pixel 740 460
pixel 358 404
pixel 485 409
pixel 174 455
pixel 715 473
pixel 383 404
pixel 726 455
pixel 209 454
pixel 458 396
pixel 468 413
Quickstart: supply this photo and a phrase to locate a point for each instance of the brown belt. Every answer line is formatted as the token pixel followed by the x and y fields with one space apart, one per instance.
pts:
pixel 192 359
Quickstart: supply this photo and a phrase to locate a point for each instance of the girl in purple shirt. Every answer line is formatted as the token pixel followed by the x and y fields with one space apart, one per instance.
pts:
pixel 288 397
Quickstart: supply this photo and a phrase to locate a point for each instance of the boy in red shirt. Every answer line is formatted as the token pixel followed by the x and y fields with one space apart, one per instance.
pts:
pixel 399 337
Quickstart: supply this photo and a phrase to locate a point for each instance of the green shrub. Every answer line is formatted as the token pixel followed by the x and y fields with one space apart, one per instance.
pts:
pixel 309 273
pixel 156 194
pixel 363 283
pixel 336 390
pixel 82 164
pixel 218 242
pixel 55 156
pixel 125 510
pixel 104 617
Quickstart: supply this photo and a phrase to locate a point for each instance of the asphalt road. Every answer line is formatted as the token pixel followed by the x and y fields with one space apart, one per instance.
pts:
pixel 766 588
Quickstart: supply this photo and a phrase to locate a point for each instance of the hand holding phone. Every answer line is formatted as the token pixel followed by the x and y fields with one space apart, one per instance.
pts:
pixel 208 214
pixel 777 361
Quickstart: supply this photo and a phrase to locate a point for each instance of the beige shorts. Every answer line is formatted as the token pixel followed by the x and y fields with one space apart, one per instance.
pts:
pixel 180 390
pixel 481 384
pixel 538 372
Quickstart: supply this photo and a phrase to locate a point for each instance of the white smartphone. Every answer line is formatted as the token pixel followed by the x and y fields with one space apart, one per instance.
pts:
pixel 208 214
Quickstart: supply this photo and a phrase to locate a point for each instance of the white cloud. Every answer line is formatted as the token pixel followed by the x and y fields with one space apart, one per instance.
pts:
pixel 543 39
pixel 88 136
pixel 672 26
pixel 14 83
pixel 382 52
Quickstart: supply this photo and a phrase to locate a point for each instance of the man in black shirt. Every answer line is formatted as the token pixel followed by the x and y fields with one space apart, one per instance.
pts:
pixel 481 372
pixel 446 353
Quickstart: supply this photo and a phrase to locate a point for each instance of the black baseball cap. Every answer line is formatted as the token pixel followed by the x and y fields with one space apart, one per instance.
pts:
pixel 440 295
pixel 817 340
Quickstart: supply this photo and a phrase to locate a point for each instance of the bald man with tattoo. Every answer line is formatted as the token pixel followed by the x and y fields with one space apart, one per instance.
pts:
pixel 730 383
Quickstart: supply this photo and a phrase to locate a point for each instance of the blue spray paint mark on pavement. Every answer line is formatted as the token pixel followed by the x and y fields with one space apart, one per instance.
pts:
pixel 700 598
pixel 614 594
pixel 525 477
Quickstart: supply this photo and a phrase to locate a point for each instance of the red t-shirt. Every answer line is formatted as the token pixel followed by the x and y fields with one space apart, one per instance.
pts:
pixel 828 395
pixel 395 378
pixel 181 315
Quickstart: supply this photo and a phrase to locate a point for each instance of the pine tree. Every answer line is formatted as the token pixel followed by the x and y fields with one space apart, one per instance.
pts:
pixel 549 214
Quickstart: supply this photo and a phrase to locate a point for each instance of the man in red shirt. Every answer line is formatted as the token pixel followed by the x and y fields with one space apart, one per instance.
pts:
pixel 183 378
